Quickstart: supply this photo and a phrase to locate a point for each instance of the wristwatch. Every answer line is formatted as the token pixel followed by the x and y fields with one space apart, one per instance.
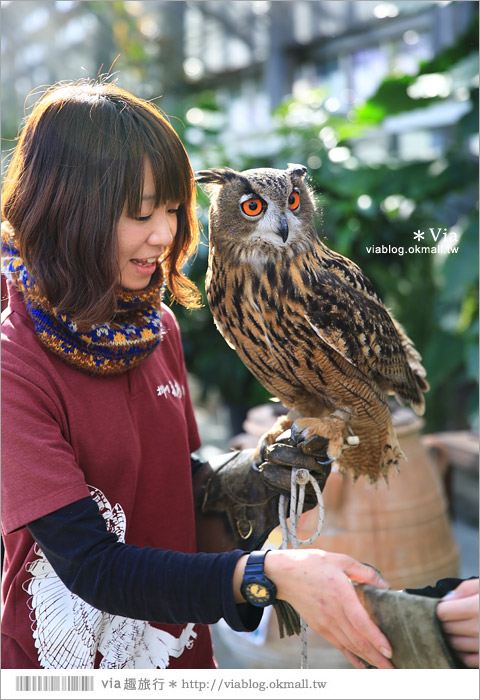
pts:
pixel 256 588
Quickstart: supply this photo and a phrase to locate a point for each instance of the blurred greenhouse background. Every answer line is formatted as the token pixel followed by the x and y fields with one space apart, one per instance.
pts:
pixel 378 99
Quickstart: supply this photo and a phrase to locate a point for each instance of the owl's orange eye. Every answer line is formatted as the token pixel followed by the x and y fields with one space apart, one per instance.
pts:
pixel 294 200
pixel 252 207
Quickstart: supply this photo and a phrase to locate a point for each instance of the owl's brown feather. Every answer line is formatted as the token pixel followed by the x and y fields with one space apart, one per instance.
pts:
pixel 308 324
pixel 363 332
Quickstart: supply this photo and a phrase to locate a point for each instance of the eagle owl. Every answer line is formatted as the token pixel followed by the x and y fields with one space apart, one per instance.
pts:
pixel 305 320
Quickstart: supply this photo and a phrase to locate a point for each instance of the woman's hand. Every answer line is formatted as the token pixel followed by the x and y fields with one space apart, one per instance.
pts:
pixel 458 614
pixel 319 586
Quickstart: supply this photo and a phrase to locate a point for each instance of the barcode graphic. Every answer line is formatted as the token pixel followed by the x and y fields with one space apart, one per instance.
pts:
pixel 52 683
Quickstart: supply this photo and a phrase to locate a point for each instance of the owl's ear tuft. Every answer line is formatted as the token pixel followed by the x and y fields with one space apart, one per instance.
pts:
pixel 215 176
pixel 296 169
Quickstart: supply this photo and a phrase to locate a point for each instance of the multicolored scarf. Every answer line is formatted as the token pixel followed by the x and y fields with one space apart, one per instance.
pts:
pixel 106 349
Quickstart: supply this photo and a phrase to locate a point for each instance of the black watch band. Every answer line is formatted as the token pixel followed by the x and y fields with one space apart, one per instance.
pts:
pixel 256 588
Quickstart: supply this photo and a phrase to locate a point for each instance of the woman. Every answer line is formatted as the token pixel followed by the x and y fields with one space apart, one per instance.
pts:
pixel 102 501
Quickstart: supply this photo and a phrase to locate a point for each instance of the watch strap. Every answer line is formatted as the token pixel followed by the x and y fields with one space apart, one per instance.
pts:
pixel 256 562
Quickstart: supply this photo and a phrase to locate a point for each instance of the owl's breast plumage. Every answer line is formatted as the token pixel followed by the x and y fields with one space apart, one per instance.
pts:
pixel 260 311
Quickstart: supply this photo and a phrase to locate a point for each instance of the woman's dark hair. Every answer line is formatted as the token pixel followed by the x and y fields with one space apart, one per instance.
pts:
pixel 79 162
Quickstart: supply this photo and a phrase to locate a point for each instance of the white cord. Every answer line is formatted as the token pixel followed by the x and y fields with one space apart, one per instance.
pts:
pixel 299 480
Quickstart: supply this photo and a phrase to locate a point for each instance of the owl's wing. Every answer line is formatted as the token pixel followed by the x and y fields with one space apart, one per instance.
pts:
pixel 353 322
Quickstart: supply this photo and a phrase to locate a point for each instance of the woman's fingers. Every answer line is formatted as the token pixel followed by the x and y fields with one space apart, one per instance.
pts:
pixel 363 573
pixel 354 660
pixel 361 621
pixel 451 609
pixel 356 649
pixel 470 660
pixel 463 628
pixel 465 644
pixel 458 615
pixel 349 640
pixel 346 624
pixel 365 639
pixel 367 642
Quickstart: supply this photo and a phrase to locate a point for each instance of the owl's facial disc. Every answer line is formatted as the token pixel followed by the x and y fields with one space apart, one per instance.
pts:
pixel 253 207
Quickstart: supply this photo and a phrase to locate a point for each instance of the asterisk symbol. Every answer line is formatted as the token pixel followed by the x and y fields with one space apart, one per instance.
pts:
pixel 418 235
pixel 172 684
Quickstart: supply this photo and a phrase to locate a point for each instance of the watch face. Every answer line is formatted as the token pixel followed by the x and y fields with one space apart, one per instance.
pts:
pixel 256 588
pixel 259 592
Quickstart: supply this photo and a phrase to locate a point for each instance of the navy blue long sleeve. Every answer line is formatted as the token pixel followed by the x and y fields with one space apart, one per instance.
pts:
pixel 441 588
pixel 143 583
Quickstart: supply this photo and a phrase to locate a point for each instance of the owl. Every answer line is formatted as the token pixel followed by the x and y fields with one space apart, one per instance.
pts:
pixel 305 320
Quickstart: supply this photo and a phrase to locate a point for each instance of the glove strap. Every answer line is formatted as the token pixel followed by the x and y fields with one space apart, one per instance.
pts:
pixel 243 523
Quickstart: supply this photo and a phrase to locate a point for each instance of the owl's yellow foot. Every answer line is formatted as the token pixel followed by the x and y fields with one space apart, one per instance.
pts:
pixel 307 431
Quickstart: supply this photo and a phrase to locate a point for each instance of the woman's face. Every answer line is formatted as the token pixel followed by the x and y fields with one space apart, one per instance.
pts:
pixel 142 240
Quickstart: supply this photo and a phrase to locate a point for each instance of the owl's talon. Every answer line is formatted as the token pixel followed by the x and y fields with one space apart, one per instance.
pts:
pixel 326 435
pixel 300 436
pixel 324 464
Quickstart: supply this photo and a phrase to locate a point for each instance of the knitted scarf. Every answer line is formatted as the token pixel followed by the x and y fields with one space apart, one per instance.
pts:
pixel 105 349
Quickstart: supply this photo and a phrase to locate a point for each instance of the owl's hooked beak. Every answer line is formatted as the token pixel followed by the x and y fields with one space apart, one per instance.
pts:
pixel 283 230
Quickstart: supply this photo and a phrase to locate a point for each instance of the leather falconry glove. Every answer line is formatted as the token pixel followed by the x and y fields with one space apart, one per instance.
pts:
pixel 248 492
pixel 278 459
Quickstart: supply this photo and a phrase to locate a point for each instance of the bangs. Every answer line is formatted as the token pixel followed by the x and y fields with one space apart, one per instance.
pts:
pixel 172 172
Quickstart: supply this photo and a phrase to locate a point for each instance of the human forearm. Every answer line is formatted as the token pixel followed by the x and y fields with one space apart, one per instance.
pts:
pixel 138 582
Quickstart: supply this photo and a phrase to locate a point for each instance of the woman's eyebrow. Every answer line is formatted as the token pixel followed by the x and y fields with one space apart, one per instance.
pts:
pixel 148 197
